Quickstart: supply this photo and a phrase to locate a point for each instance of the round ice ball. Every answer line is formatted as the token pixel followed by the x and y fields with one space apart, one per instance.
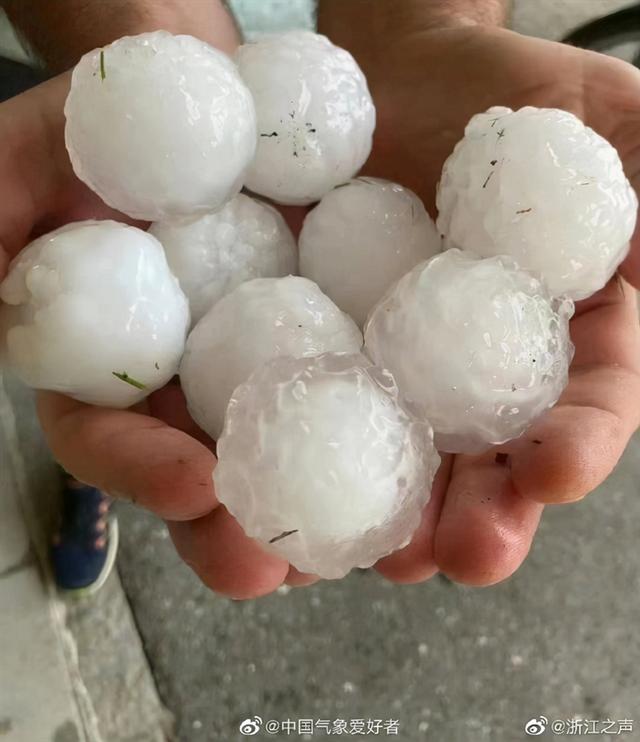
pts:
pixel 92 311
pixel 160 126
pixel 322 464
pixel 259 320
pixel 539 185
pixel 477 345
pixel 213 253
pixel 361 238
pixel 315 115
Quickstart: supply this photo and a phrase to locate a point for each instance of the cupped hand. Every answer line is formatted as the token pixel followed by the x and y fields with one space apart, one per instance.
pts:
pixel 152 454
pixel 485 509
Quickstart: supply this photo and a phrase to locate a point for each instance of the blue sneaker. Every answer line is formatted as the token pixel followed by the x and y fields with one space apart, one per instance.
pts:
pixel 84 548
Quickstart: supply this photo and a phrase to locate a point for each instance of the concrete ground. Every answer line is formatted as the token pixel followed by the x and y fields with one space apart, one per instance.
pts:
pixel 451 664
pixel 156 656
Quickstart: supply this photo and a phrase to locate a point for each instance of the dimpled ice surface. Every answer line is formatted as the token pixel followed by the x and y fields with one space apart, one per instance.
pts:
pixel 361 238
pixel 212 254
pixel 259 320
pixel 315 115
pixel 93 311
pixel 539 185
pixel 477 345
pixel 160 126
pixel 322 464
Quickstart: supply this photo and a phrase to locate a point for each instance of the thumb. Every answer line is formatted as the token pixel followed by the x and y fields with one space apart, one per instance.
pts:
pixel 4 262
pixel 630 268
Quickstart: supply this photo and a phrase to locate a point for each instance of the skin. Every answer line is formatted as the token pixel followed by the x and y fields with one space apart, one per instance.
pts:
pixel 491 507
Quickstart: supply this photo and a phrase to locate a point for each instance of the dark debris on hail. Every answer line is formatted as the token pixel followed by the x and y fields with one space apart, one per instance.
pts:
pixel 284 534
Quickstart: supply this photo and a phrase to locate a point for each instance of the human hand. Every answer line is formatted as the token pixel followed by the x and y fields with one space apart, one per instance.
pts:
pixel 484 512
pixel 153 454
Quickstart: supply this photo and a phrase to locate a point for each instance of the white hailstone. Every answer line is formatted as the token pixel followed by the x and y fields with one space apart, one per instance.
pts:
pixel 322 464
pixel 259 320
pixel 212 254
pixel 539 185
pixel 361 238
pixel 160 126
pixel 93 311
pixel 315 115
pixel 477 345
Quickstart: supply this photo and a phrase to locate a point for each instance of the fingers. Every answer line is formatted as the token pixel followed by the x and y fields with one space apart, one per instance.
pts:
pixel 570 450
pixel 486 528
pixel 300 579
pixel 416 562
pixel 130 455
pixel 630 268
pixel 574 448
pixel 4 262
pixel 225 558
pixel 625 138
pixel 169 405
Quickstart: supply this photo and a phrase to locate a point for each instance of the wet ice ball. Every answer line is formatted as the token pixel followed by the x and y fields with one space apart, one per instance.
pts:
pixel 361 238
pixel 477 345
pixel 213 253
pixel 321 463
pixel 259 320
pixel 93 311
pixel 160 126
pixel 539 185
pixel 315 115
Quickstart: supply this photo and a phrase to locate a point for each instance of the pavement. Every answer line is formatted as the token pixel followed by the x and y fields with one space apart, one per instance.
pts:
pixel 70 670
pixel 155 656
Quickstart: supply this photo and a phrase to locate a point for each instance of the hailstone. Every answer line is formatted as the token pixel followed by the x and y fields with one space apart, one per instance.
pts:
pixel 160 126
pixel 539 185
pixel 213 253
pixel 322 464
pixel 259 320
pixel 92 310
pixel 315 115
pixel 361 238
pixel 477 345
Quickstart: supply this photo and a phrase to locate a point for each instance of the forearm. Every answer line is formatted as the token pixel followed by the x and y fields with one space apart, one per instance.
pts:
pixel 61 31
pixel 337 18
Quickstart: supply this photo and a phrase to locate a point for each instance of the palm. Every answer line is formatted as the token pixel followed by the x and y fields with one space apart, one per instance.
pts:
pixel 439 79
pixel 493 508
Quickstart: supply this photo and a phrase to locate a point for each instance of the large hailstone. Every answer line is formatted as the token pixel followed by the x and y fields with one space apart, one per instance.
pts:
pixel 160 126
pixel 477 345
pixel 315 115
pixel 92 311
pixel 213 253
pixel 260 320
pixel 539 185
pixel 361 238
pixel 322 464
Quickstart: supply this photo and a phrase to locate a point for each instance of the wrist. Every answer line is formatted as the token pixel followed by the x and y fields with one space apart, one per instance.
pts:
pixel 60 33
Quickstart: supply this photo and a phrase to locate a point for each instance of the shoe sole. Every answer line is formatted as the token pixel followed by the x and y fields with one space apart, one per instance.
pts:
pixel 112 551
